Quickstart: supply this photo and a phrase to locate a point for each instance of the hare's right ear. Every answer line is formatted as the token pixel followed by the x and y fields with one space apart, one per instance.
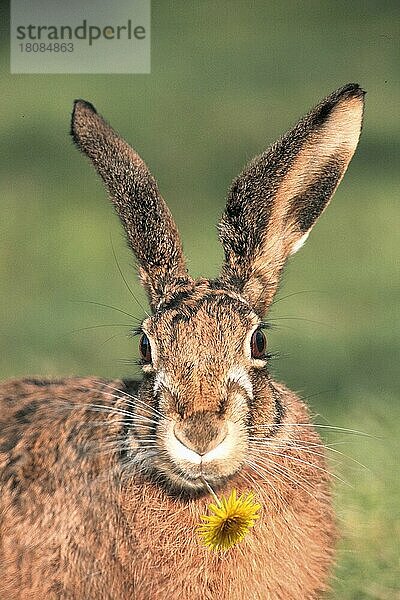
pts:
pixel 275 202
pixel 150 228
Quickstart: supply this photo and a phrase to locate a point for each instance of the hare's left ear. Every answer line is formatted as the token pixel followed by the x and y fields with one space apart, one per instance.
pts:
pixel 274 203
pixel 148 223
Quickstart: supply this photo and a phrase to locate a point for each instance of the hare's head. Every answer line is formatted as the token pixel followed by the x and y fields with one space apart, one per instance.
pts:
pixel 204 350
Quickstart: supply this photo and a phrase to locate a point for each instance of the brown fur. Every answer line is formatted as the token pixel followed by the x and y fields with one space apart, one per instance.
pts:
pixel 153 237
pixel 282 192
pixel 75 525
pixel 100 481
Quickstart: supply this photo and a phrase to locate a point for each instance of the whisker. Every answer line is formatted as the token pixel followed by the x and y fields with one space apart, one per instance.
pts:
pixel 97 408
pixel 280 468
pixel 299 319
pixel 135 421
pixel 100 326
pixel 291 447
pixel 306 445
pixel 297 294
pixel 282 471
pixel 333 427
pixel 310 464
pixel 124 279
pixel 135 398
pixel 145 405
pixel 255 483
pixel 123 312
pixel 149 409
pixel 112 337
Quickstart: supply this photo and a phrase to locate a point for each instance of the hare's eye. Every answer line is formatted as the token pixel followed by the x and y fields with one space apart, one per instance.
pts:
pixel 258 344
pixel 145 348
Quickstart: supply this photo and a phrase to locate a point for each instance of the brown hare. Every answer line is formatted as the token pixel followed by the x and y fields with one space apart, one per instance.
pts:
pixel 103 482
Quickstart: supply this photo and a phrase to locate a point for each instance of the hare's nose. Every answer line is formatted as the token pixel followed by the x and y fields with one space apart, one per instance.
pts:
pixel 201 432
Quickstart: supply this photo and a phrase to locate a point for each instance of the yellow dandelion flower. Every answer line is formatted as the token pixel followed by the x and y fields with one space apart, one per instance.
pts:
pixel 229 522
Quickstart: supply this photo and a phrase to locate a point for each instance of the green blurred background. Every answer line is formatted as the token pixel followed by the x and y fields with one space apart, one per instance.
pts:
pixel 227 79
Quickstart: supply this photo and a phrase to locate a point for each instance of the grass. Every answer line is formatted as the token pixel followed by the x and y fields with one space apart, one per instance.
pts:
pixel 225 83
pixel 367 508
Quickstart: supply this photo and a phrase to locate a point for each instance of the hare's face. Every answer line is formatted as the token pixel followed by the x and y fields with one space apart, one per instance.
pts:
pixel 206 381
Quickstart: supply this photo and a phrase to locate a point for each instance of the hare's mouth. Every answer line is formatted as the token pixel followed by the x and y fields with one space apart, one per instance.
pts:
pixel 183 477
pixel 178 479
pixel 184 468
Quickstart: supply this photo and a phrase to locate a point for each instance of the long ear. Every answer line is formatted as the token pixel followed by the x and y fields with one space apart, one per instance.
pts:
pixel 275 202
pixel 150 229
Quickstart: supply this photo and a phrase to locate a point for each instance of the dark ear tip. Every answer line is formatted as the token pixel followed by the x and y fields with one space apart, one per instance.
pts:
pixel 350 90
pixel 80 104
pixel 81 107
pixel 325 108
